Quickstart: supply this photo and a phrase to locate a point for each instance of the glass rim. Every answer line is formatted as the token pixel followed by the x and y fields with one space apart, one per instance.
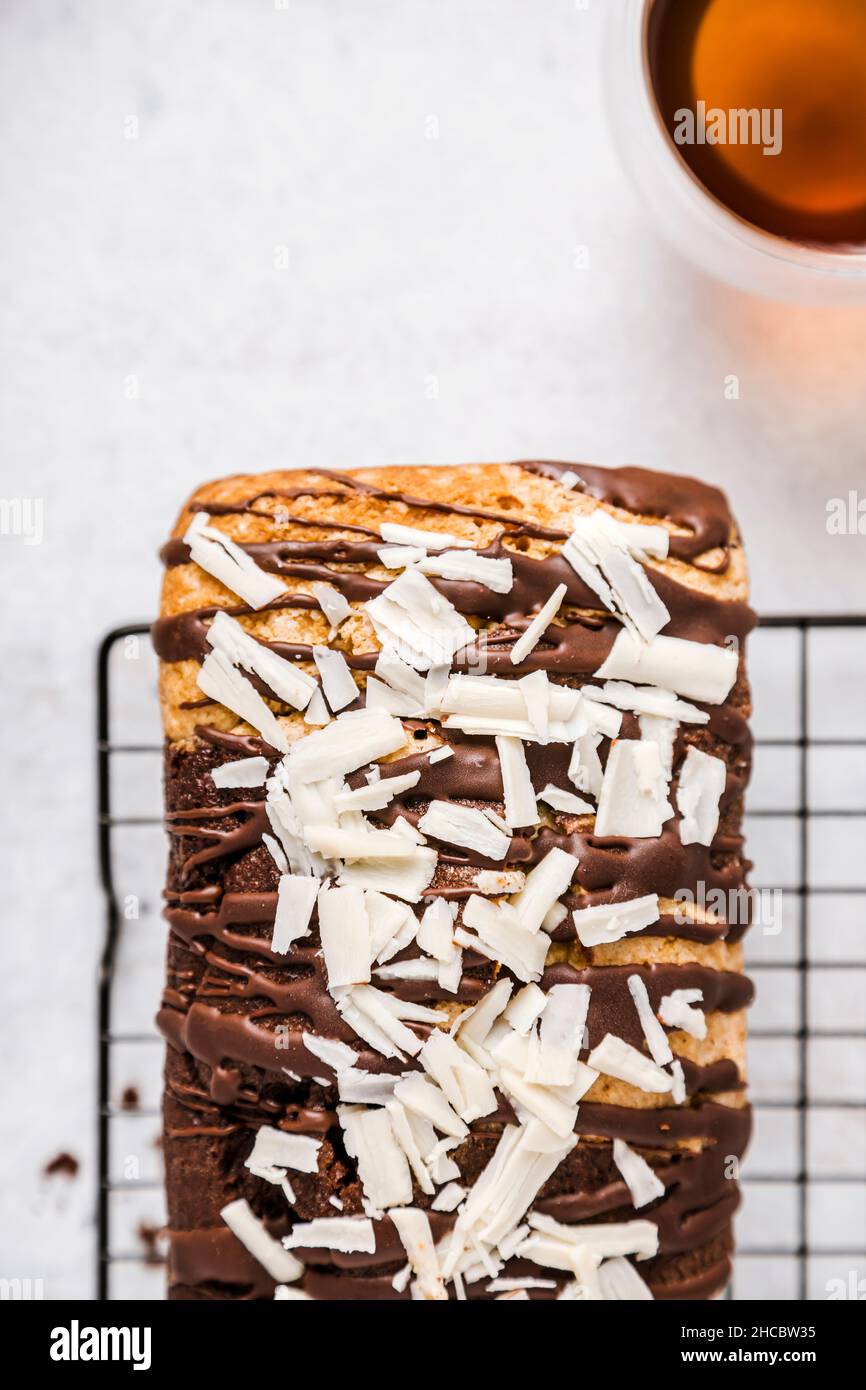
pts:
pixel 818 261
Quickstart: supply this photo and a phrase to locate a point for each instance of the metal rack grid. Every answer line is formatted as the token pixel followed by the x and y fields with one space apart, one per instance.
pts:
pixel 780 1258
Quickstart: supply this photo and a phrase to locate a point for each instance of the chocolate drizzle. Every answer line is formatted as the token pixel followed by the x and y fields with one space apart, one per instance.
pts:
pixel 611 1007
pixel 700 1199
pixel 702 510
pixel 694 615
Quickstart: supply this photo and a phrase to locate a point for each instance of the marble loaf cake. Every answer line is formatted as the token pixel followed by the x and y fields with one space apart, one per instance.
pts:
pixel 454 774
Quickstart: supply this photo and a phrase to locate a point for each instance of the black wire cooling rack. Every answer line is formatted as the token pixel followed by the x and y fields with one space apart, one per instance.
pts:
pixel 800 1196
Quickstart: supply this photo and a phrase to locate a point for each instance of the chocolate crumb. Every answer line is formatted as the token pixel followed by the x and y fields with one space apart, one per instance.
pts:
pixel 63 1165
pixel 149 1237
pixel 130 1100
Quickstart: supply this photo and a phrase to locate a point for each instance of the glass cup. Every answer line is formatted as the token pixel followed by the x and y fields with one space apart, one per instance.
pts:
pixel 694 221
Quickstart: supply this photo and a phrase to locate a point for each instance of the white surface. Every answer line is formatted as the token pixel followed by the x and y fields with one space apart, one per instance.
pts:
pixel 433 308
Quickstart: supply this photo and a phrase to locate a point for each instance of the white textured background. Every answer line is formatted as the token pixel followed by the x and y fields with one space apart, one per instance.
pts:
pixel 435 305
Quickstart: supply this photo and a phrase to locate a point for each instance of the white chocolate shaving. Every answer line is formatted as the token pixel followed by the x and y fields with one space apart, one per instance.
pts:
pixel 409 1139
pixel 698 670
pixel 346 1233
pixel 585 768
pixel 605 1239
pixel 465 826
pixel 699 791
pixel 317 712
pixel 377 795
pixel 646 699
pixel 494 698
pixel 413 1228
pixel 526 1006
pixel 619 1059
pixel 469 566
pixel 638 1176
pixel 655 1035
pixel 560 1035
pixel 218 554
pixel 520 804
pixel 392 925
pixel 334 605
pixel 401 678
pixel 221 681
pixel 501 936
pixel 243 772
pixel 274 1148
pixel 465 1085
pixel 249 1230
pixel 381 697
pixel 345 932
pixel 411 617
pixel 633 798
pixel 663 732
pixel 382 1165
pixel 426 1100
pixel 600 550
pixel 596 926
pixel 620 1282
pixel 395 534
pixel 533 634
pixel 358 1087
pixel 338 682
pixel 678 1083
pixel 421 969
pixel 436 931
pixel 537 696
pixel 677 1011
pixel 524 1159
pixel 339 842
pixel 448 1198
pixel 403 878
pixel 400 557
pixel 346 744
pixel 296 898
pixel 545 884
pixel 566 802
pixel 336 1055
pixel 285 679
pixel 378 1019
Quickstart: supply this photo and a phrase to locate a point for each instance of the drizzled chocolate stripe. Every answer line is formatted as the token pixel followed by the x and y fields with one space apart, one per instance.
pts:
pixel 667 1277
pixel 698 1203
pixel 618 868
pixel 253 819
pixel 695 616
pixel 612 1009
pixel 225 1041
pixel 210 1260
pixel 686 502
pixel 726 1127
pixel 474 765
pixel 349 484
pixel 213 1035
pixel 183 636
pixel 609 870
pixel 701 509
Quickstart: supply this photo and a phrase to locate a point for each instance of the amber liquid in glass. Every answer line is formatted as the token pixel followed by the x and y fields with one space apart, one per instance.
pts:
pixel 800 67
